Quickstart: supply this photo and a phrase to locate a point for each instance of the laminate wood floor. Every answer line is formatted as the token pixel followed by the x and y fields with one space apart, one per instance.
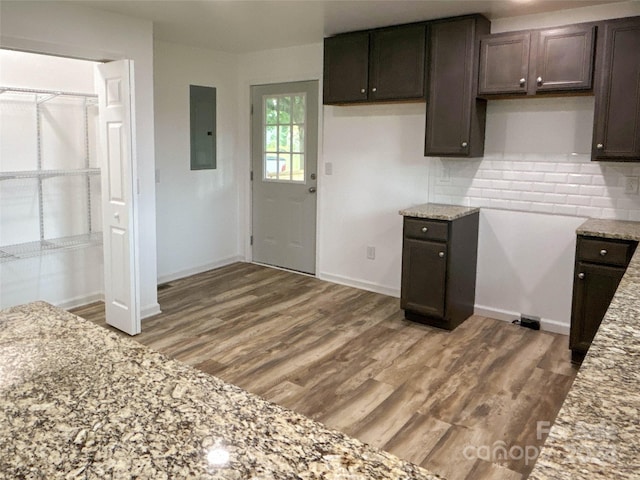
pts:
pixel 449 401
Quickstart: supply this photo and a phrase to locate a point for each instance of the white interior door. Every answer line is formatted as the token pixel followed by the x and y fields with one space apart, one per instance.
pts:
pixel 114 84
pixel 284 173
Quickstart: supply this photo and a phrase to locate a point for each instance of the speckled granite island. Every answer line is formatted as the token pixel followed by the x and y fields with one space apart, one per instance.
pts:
pixel 78 401
pixel 597 432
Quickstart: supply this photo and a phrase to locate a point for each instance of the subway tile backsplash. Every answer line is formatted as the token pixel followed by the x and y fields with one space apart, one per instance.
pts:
pixel 558 184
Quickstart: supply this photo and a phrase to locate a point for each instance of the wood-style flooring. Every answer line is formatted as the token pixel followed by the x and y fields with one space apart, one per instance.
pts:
pixel 346 357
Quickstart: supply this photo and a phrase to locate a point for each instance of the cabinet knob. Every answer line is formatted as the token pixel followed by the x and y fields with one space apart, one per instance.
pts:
pixel 523 81
pixel 424 229
pixel 363 90
pixel 374 89
pixel 464 144
pixel 441 254
pixel 539 80
pixel 581 276
pixel 603 252
pixel 599 146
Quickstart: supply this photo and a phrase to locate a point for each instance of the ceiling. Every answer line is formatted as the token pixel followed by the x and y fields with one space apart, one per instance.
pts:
pixel 241 26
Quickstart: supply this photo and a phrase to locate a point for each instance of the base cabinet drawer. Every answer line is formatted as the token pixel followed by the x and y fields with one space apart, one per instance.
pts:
pixel 439 270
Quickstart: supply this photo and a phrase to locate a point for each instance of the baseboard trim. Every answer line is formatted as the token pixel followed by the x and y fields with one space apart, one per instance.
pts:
pixel 81 301
pixel 199 269
pixel 546 324
pixel 150 310
pixel 363 285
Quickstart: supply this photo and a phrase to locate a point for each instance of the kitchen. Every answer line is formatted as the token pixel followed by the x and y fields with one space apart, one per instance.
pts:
pixel 536 246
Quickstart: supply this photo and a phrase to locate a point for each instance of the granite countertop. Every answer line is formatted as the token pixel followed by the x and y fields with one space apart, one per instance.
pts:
pixel 596 433
pixel 436 211
pixel 78 401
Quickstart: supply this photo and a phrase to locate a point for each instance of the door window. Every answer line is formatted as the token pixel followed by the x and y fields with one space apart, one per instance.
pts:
pixel 284 137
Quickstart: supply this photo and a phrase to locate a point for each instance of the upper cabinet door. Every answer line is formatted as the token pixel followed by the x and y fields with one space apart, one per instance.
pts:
pixel 565 58
pixel 346 68
pixel 397 62
pixel 455 123
pixel 616 134
pixel 504 63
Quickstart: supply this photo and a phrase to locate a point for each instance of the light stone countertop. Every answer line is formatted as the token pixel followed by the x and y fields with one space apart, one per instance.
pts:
pixel 78 401
pixel 436 211
pixel 597 432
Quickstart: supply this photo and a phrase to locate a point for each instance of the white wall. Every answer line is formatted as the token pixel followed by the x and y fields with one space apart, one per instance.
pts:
pixel 63 277
pixel 378 169
pixel 198 211
pixel 69 30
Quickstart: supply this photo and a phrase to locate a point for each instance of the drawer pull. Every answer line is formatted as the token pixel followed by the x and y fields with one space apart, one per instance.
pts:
pixel 441 254
pixel 424 229
pixel 581 276
pixel 603 252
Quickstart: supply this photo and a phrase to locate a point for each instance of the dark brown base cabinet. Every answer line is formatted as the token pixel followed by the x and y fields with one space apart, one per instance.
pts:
pixel 439 270
pixel 600 265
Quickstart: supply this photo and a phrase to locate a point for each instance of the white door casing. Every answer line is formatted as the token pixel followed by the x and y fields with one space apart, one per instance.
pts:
pixel 115 88
pixel 284 174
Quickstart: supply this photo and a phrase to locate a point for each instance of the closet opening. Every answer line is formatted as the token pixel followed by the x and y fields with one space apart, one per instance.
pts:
pixel 50 186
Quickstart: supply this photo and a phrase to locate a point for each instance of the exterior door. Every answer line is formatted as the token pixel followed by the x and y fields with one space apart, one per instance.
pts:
pixel 114 84
pixel 284 171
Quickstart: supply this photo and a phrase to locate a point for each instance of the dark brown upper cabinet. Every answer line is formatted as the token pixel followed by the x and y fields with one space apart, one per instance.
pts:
pixel 616 133
pixel 346 68
pixel 504 63
pixel 377 65
pixel 397 63
pixel 455 122
pixel 528 63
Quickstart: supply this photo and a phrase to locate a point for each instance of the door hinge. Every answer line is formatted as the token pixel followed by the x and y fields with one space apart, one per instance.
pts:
pixel 251 175
pixel 252 109
pixel 251 240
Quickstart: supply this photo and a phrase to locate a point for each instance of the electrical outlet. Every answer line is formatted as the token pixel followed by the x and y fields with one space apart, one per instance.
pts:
pixel 371 253
pixel 445 175
pixel 631 185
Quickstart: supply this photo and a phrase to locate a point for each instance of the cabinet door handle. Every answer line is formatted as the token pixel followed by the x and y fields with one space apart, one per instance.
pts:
pixel 363 90
pixel 603 252
pixel 522 82
pixel 464 144
pixel 581 276
pixel 441 254
pixel 599 146
pixel 424 229
pixel 539 80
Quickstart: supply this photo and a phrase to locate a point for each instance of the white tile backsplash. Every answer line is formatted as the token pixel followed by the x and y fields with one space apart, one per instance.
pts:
pixel 561 184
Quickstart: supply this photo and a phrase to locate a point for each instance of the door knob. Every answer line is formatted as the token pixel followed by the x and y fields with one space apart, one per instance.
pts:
pixel 581 276
pixel 312 189
pixel 539 80
pixel 441 254
pixel 312 176
pixel 362 90
pixel 522 82
pixel 424 229
pixel 603 252
pixel 599 146
pixel 464 144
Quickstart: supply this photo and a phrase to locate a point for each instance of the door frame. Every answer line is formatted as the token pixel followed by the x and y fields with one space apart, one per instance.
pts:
pixel 245 171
